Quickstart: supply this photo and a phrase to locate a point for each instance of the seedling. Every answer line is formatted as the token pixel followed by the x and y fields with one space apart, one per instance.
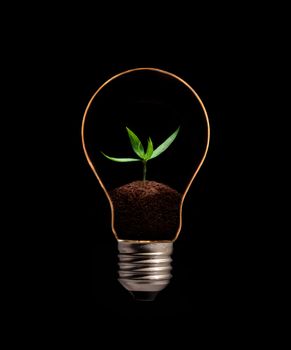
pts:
pixel 138 149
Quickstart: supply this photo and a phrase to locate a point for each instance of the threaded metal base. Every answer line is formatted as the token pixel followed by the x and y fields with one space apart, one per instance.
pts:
pixel 144 268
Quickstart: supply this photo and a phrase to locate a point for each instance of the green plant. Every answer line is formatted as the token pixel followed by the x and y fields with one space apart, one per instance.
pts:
pixel 144 156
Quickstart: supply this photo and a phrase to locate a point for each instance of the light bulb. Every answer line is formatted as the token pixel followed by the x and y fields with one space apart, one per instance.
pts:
pixel 145 262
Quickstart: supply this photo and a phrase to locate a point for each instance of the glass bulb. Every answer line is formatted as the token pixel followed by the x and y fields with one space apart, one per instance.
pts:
pixel 151 102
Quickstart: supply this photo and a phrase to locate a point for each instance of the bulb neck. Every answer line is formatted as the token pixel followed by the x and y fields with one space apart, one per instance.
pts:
pixel 144 267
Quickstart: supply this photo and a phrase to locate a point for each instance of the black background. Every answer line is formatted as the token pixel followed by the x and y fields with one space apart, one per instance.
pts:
pixel 62 252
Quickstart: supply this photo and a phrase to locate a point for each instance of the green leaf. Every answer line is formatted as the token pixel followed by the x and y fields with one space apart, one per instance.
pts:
pixel 150 150
pixel 165 144
pixel 121 160
pixel 136 143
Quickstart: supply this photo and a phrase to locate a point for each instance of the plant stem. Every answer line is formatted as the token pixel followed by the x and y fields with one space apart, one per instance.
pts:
pixel 144 170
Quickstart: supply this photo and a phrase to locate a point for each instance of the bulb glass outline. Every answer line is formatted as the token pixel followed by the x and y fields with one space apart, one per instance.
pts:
pixel 195 95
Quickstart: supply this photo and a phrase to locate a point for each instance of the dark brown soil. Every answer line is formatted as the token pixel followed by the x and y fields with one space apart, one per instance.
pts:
pixel 146 210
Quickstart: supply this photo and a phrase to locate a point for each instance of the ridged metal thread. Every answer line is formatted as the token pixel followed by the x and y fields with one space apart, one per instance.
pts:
pixel 144 267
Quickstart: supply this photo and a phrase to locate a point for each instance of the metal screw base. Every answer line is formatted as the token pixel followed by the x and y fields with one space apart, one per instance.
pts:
pixel 144 268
